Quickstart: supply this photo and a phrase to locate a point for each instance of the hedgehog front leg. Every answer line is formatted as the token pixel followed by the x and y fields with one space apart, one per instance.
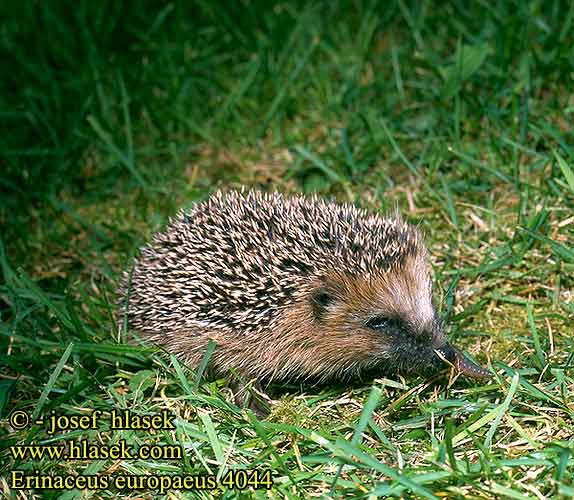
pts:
pixel 248 393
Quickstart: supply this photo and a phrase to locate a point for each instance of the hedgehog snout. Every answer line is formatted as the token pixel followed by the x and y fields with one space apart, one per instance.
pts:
pixel 464 365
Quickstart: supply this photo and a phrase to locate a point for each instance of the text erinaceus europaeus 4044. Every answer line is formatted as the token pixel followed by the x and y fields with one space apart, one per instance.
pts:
pixel 289 288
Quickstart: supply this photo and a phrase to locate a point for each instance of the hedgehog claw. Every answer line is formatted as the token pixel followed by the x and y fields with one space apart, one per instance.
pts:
pixel 250 396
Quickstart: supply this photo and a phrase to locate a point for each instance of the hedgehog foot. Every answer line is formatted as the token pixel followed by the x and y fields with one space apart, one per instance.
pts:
pixel 250 395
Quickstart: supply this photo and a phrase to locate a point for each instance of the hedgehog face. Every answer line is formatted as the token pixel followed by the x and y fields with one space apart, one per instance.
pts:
pixel 385 321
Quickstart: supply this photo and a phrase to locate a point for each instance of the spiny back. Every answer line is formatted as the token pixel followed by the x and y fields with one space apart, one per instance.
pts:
pixel 236 260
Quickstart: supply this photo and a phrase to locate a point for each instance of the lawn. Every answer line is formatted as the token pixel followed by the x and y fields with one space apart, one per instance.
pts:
pixel 114 115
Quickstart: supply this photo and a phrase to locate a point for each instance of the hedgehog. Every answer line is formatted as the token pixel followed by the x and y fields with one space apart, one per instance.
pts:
pixel 289 289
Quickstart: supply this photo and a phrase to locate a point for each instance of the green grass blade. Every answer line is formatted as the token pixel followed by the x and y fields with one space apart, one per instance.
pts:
pixel 468 60
pixel 181 375
pixel 566 171
pixel 540 361
pixel 366 414
pixel 503 408
pixel 211 345
pixel 213 438
pixel 52 381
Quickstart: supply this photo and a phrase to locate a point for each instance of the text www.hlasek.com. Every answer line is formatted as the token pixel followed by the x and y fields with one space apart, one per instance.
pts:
pixel 83 450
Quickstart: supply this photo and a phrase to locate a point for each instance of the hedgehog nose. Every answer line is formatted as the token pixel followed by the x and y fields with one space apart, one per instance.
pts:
pixel 462 363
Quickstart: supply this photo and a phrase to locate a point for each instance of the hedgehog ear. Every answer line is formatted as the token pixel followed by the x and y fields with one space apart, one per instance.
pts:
pixel 321 297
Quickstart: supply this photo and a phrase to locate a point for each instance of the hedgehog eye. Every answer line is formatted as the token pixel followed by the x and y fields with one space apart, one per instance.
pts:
pixel 382 323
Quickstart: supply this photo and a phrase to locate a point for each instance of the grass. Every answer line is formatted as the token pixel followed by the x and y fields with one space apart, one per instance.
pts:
pixel 114 115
